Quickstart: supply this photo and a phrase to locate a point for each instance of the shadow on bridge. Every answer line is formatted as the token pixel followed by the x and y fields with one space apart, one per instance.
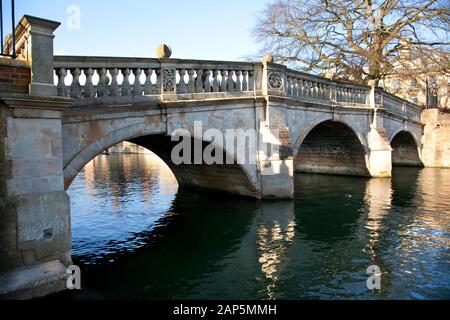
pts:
pixel 332 147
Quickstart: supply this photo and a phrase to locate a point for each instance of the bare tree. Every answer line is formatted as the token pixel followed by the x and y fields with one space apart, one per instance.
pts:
pixel 352 39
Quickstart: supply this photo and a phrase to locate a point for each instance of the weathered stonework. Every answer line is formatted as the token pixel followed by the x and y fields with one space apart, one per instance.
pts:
pixel 34 207
pixel 436 139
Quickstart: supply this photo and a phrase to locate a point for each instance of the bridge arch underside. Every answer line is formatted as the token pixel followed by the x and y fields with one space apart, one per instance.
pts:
pixel 229 178
pixel 405 151
pixel 331 147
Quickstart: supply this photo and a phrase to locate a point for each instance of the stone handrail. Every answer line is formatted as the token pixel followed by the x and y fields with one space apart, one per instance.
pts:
pixel 146 76
pixel 302 86
pixel 134 77
pixel 397 105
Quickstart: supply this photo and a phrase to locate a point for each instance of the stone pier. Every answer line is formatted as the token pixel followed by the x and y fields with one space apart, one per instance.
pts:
pixel 35 236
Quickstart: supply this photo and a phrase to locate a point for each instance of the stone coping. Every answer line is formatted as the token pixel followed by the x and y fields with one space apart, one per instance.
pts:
pixel 14 63
pixel 35 101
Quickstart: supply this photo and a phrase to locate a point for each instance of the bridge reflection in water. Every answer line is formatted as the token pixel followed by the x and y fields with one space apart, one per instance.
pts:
pixel 136 235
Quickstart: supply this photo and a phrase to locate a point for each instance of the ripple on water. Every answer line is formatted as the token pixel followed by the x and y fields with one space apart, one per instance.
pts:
pixel 135 235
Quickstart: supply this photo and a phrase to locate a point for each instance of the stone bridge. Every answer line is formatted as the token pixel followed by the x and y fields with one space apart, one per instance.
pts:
pixel 325 126
pixel 73 108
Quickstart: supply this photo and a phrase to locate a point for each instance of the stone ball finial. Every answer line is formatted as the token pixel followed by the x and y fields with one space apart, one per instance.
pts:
pixel 372 83
pixel 268 58
pixel 163 51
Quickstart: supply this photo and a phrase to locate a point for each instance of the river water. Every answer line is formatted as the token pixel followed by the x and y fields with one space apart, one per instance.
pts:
pixel 135 235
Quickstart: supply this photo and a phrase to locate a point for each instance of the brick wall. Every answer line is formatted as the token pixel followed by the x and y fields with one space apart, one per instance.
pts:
pixel 331 148
pixel 15 76
pixel 404 150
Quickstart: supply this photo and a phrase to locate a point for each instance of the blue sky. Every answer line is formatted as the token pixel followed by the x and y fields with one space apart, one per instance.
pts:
pixel 197 29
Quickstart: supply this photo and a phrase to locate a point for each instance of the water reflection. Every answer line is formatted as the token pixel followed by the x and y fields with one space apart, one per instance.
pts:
pixel 276 232
pixel 113 198
pixel 135 235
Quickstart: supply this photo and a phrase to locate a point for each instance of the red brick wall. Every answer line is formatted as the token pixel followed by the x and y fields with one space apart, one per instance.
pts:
pixel 14 79
pixel 331 148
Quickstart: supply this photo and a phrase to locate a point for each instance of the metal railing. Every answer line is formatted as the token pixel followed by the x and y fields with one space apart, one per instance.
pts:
pixel 10 50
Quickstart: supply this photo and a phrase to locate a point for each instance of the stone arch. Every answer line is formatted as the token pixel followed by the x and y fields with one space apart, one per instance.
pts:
pixel 405 128
pixel 317 121
pixel 235 178
pixel 332 147
pixel 405 148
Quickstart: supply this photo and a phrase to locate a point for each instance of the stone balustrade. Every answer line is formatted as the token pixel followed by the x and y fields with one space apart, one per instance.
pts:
pixel 304 86
pixel 84 78
pixel 111 77
pixel 397 105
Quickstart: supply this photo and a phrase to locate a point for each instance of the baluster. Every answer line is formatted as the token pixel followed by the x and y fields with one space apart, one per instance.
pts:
pixel 126 86
pixel 295 87
pixel 307 89
pixel 75 88
pixel 237 86
pixel 316 90
pixel 207 85
pixel 223 83
pixel 301 89
pixel 148 86
pixel 88 86
pixel 114 86
pixel 191 81
pixel 198 81
pixel 182 84
pixel 137 91
pixel 62 73
pixel 289 86
pixel 230 81
pixel 216 85
pixel 102 83
pixel 251 80
pixel 244 80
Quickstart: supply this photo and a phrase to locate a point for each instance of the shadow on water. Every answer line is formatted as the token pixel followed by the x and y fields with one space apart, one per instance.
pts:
pixel 179 250
pixel 137 236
